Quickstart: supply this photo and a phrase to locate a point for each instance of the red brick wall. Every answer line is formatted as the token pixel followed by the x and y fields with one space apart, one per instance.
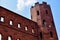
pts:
pixel 12 30
pixel 44 16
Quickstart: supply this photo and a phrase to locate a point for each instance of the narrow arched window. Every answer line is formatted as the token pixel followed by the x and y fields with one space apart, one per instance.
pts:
pixel 40 35
pixel 44 23
pixel 26 28
pixel 37 12
pixel 0 37
pixel 33 31
pixel 2 19
pixel 19 25
pixel 18 39
pixel 11 22
pixel 9 38
pixel 46 12
pixel 51 34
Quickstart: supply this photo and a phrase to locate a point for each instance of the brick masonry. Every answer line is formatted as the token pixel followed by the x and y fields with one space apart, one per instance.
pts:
pixel 36 24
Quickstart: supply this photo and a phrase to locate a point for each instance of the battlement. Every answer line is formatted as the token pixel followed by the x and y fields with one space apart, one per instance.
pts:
pixel 37 3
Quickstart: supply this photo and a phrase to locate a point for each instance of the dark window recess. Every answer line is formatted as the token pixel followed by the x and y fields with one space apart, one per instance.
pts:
pixel 51 34
pixel 37 12
pixel 44 22
pixel 46 12
pixel 41 35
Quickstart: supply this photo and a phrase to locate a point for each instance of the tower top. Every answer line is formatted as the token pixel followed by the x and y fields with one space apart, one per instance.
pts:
pixel 37 3
pixel 44 2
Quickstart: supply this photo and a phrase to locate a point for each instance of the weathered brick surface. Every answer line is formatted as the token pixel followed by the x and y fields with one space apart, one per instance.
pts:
pixel 36 24
pixel 12 30
pixel 41 8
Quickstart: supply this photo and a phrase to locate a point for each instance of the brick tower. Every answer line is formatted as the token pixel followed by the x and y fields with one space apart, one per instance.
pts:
pixel 41 13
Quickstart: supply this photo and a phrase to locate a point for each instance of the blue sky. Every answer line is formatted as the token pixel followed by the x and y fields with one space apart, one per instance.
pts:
pixel 22 7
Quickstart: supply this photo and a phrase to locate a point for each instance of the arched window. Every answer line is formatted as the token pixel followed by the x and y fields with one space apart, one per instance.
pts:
pixel 40 35
pixel 2 19
pixel 37 12
pixel 19 25
pixel 11 22
pixel 46 12
pixel 9 38
pixel 0 37
pixel 26 28
pixel 18 39
pixel 44 23
pixel 33 31
pixel 51 34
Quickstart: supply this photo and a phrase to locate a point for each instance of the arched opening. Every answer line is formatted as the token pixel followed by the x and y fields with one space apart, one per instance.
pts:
pixel 33 31
pixel 51 34
pixel 18 39
pixel 19 25
pixel 2 19
pixel 46 12
pixel 26 28
pixel 11 22
pixel 0 37
pixel 40 35
pixel 37 12
pixel 9 38
pixel 44 23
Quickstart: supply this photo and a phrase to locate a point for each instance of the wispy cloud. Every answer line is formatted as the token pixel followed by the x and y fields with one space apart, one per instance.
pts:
pixel 21 4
